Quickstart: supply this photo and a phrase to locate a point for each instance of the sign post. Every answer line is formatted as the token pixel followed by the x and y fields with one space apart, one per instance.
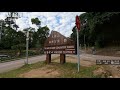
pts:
pixel 27 40
pixel 77 30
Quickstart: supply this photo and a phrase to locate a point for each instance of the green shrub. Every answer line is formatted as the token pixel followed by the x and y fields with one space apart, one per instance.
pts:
pixel 30 53
pixel 99 42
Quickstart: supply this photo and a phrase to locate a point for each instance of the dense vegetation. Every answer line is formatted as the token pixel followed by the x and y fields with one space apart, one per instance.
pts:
pixel 97 29
pixel 100 29
pixel 12 39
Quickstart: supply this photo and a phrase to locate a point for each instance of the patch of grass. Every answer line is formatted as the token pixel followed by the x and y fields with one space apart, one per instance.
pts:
pixel 56 58
pixel 23 69
pixel 67 70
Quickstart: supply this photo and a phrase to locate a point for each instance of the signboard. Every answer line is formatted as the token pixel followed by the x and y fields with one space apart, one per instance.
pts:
pixel 78 23
pixel 59 44
pixel 60 50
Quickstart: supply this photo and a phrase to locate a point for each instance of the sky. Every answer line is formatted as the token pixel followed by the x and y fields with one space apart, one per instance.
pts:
pixel 62 22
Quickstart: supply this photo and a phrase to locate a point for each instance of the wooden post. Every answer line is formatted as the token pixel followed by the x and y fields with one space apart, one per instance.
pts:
pixel 62 58
pixel 48 58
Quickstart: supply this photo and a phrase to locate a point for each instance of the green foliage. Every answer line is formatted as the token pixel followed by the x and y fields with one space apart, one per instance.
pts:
pixel 74 34
pixel 13 38
pixel 30 53
pixel 19 46
pixel 42 35
pixel 38 37
pixel 16 40
pixel 36 21
pixel 99 28
pixel 10 19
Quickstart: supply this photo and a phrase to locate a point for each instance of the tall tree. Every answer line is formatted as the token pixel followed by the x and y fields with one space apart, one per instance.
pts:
pixel 99 28
pixel 36 21
pixel 19 41
pixel 1 28
pixel 41 34
pixel 7 30
pixel 10 19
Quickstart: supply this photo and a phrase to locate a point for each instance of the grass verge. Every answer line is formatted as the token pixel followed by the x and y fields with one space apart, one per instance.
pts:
pixel 67 70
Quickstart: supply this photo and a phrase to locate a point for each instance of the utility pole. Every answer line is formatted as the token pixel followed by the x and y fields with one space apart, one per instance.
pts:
pixel 78 50
pixel 27 41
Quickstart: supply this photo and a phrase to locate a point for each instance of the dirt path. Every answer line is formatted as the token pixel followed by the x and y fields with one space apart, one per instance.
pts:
pixel 7 66
pixel 44 72
pixel 49 71
pixel 86 60
pixel 114 69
